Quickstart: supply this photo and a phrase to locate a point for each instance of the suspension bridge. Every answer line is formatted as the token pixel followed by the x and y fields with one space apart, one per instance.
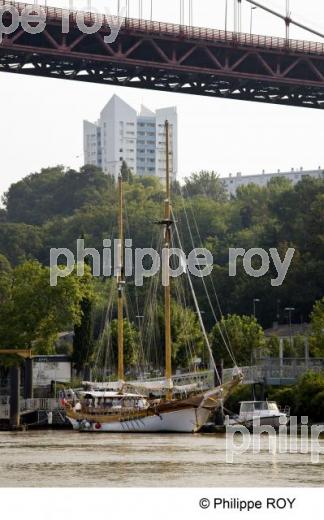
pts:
pixel 170 57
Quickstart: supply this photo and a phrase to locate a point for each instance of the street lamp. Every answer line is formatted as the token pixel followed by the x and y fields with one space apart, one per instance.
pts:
pixel 278 310
pixel 140 323
pixel 251 21
pixel 255 301
pixel 290 310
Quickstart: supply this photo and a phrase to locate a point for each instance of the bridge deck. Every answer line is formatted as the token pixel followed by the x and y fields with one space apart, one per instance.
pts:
pixel 170 57
pixel 168 29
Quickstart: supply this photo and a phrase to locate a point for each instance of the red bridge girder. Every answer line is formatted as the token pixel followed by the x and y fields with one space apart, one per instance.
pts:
pixel 168 57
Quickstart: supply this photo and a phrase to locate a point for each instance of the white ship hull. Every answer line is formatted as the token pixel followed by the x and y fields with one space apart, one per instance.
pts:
pixel 188 420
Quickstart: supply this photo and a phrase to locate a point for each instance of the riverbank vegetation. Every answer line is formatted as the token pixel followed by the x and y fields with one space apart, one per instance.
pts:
pixel 306 397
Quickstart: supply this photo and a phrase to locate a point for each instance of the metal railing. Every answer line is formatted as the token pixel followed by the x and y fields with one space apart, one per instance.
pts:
pixel 4 411
pixel 276 371
pixel 181 32
pixel 30 405
pixel 46 405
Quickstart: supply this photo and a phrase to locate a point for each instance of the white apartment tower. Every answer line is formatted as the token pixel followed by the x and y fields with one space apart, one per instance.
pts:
pixel 139 139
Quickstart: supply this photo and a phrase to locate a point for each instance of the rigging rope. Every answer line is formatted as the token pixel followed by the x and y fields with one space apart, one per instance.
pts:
pixel 227 344
pixel 210 278
pixel 197 308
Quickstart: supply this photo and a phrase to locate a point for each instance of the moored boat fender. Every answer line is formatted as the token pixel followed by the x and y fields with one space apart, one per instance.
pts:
pixel 98 426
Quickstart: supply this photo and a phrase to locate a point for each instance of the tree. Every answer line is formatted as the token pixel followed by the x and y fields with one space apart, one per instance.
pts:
pixel 131 344
pixel 50 209
pixel 187 339
pixel 206 184
pixel 20 242
pixel 3 215
pixel 243 335
pixel 83 342
pixel 33 313
pixel 126 173
pixel 317 329
pixel 310 395
pixel 55 191
pixel 5 279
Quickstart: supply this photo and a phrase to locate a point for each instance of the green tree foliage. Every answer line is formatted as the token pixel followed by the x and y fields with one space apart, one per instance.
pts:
pixel 285 396
pixel 317 329
pixel 54 192
pixel 240 393
pixel 309 396
pixel 187 339
pixel 5 279
pixel 53 207
pixel 126 173
pixel 20 242
pixel 33 312
pixel 3 215
pixel 131 343
pixel 206 184
pixel 83 342
pixel 243 334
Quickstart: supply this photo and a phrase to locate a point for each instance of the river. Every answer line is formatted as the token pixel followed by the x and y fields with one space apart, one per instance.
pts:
pixel 65 458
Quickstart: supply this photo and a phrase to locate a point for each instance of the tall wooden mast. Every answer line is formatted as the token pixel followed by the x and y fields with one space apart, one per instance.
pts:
pixel 167 288
pixel 121 283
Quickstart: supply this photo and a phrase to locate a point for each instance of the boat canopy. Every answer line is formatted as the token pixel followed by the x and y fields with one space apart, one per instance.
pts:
pixel 111 395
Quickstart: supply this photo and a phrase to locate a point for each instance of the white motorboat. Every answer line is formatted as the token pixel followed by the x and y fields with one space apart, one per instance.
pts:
pixel 263 413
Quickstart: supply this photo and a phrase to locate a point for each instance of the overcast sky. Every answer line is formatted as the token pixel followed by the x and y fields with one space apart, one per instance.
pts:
pixel 41 119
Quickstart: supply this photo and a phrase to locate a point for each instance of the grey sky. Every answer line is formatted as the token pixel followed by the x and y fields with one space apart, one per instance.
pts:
pixel 41 119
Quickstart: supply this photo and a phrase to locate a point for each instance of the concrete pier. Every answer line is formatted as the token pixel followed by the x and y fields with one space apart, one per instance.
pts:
pixel 28 385
pixel 14 397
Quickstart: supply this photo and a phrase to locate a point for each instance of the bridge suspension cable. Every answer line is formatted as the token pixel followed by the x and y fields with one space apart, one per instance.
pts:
pixel 287 18
pixel 190 12
pixel 182 12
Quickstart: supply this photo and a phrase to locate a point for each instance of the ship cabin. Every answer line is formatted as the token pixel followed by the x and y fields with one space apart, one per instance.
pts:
pixel 111 401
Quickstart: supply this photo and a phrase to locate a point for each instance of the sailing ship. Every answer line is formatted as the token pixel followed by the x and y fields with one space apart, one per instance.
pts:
pixel 125 407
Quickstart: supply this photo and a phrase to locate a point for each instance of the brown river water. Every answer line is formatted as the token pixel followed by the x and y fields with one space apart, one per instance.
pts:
pixel 70 459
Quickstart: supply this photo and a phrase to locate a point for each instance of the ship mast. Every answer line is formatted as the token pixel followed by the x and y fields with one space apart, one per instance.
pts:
pixel 120 283
pixel 167 288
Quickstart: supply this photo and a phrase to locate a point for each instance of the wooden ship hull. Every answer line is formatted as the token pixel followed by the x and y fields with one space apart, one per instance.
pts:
pixel 178 415
pixel 185 420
